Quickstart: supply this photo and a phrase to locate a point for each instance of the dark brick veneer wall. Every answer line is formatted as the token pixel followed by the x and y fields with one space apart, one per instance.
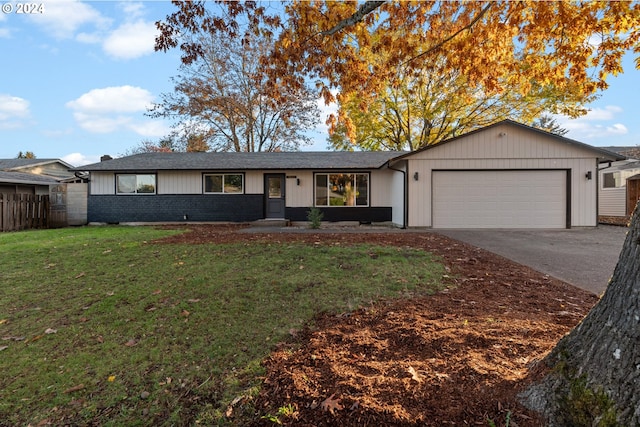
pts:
pixel 173 207
pixel 211 207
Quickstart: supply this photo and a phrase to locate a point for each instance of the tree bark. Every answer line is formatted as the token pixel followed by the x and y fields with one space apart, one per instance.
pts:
pixel 594 376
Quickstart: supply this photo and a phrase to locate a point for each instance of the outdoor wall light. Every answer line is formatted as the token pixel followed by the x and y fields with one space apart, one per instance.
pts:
pixel 297 181
pixel 415 176
pixel 588 175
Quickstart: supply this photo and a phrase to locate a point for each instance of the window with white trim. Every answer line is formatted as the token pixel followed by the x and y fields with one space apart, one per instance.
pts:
pixel 224 183
pixel 136 184
pixel 617 179
pixel 342 189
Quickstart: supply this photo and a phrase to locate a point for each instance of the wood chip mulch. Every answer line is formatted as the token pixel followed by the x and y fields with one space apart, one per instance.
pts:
pixel 455 358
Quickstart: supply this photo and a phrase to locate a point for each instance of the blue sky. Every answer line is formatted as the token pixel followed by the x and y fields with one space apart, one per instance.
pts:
pixel 77 79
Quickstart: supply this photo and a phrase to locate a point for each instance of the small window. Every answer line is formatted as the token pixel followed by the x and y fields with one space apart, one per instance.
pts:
pixel 609 180
pixel 617 179
pixel 135 184
pixel 342 189
pixel 224 183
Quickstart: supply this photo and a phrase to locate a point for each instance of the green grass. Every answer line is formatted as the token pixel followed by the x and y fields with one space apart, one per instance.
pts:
pixel 153 334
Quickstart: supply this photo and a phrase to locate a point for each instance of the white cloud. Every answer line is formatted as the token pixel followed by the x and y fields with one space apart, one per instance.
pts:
pixel 606 113
pixel 13 106
pixel 78 159
pixel 151 128
pixel 116 108
pixel 13 111
pixel 131 40
pixel 63 19
pixel 594 124
pixel 115 99
pixel 132 9
pixel 101 124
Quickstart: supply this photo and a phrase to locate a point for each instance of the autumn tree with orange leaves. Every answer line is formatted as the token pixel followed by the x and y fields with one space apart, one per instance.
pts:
pixel 494 46
pixel 498 46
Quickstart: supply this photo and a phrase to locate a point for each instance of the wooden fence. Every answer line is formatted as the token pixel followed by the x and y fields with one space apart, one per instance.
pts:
pixel 23 211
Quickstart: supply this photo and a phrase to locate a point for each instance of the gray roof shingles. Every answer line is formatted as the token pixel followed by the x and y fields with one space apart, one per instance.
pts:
pixel 26 178
pixel 330 160
pixel 7 164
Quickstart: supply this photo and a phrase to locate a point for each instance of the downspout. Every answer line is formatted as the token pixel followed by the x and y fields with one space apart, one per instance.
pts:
pixel 405 195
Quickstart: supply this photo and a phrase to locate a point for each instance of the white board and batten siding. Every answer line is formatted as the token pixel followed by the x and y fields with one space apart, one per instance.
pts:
pixel 102 183
pixel 297 195
pixel 480 159
pixel 174 182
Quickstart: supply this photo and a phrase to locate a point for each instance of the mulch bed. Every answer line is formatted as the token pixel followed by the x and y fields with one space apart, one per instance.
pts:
pixel 455 358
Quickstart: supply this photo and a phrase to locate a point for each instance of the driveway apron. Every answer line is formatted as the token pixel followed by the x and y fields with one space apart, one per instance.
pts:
pixel 583 257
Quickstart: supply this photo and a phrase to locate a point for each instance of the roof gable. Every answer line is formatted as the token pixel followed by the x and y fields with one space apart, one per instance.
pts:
pixel 14 164
pixel 510 139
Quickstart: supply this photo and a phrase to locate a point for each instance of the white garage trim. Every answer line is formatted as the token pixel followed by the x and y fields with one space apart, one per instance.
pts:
pixel 500 198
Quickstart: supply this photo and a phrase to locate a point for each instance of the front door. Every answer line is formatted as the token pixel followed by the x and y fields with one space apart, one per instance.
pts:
pixel 274 195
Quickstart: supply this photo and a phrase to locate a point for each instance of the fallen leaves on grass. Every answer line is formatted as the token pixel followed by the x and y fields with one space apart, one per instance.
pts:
pixel 36 338
pixel 74 388
pixel 131 343
pixel 12 338
pixel 234 402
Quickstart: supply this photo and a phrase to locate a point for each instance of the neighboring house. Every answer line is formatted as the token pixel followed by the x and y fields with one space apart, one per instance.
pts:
pixel 618 182
pixel 51 167
pixel 506 175
pixel 25 183
pixel 67 190
pixel 32 176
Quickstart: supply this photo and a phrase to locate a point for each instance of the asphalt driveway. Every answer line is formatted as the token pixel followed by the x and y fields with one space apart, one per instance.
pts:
pixel 584 257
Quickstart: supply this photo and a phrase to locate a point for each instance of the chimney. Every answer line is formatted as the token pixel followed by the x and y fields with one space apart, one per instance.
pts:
pixel 105 158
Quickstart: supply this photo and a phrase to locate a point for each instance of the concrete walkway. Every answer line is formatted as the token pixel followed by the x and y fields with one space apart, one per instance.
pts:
pixel 584 257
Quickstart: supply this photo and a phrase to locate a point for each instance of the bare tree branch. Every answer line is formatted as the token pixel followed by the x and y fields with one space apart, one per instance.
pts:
pixel 364 10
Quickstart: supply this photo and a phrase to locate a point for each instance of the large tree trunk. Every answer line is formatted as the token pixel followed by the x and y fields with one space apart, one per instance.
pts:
pixel 594 378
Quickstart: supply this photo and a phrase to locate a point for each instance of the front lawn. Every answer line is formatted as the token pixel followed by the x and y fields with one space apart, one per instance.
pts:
pixel 100 325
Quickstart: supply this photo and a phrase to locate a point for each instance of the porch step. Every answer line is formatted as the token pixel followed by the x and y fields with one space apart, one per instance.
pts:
pixel 271 223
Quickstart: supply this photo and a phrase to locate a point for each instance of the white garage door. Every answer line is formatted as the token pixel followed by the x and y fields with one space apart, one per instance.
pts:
pixel 499 199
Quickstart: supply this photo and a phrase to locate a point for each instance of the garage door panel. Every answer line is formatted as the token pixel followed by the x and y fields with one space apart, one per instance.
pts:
pixel 499 199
